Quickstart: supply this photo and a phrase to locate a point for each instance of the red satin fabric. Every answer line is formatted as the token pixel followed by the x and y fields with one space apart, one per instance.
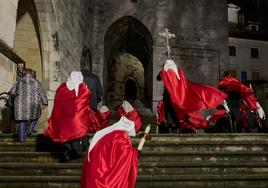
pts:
pixel 218 113
pixel 161 116
pixel 187 96
pixel 71 116
pixel 133 115
pixel 103 118
pixel 246 92
pixel 196 121
pixel 113 163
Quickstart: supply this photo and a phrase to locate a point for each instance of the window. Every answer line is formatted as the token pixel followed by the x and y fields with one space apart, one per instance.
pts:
pixel 232 50
pixel 244 76
pixel 233 13
pixel 134 1
pixel 255 75
pixel 253 27
pixel 255 53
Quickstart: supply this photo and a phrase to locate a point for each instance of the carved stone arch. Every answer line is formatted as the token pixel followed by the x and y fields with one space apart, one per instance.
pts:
pixel 127 35
pixel 27 43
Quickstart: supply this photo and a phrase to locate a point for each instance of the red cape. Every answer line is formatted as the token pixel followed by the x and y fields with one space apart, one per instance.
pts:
pixel 71 116
pixel 113 163
pixel 187 98
pixel 245 92
pixel 103 118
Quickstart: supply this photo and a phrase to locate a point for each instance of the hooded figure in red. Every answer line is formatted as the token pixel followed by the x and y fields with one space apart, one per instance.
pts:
pixel 111 161
pixel 72 117
pixel 188 98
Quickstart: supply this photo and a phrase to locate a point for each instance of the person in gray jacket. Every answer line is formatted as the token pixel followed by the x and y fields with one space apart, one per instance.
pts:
pixel 28 98
pixel 94 85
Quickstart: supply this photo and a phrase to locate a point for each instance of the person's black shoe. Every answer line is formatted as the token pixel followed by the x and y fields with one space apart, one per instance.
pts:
pixel 65 157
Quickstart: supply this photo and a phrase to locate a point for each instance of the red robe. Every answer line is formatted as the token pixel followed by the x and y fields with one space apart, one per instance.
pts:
pixel 133 115
pixel 245 92
pixel 161 116
pixel 71 116
pixel 103 118
pixel 113 163
pixel 187 98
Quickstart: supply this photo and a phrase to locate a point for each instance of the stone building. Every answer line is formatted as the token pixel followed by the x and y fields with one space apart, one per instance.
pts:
pixel 117 38
pixel 248 44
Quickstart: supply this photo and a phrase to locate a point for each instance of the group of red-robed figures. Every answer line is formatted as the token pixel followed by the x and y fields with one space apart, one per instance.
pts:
pixel 197 106
pixel 111 161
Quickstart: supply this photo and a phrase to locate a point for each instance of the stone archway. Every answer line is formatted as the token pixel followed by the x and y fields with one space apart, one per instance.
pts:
pixel 128 38
pixel 27 42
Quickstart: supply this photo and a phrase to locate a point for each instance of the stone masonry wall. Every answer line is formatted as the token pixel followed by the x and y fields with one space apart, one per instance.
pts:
pixel 71 35
pixel 201 42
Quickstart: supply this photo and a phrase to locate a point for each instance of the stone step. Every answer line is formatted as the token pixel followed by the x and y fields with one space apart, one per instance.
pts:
pixel 153 145
pixel 215 137
pixel 67 169
pixel 172 181
pixel 150 156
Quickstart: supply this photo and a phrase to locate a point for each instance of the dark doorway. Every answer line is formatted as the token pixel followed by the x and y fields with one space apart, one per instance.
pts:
pixel 130 90
pixel 128 35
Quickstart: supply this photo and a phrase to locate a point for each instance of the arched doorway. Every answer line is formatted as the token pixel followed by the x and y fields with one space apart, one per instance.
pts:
pixel 27 42
pixel 130 89
pixel 128 45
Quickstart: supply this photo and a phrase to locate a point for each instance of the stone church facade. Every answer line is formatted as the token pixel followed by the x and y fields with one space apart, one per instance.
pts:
pixel 117 39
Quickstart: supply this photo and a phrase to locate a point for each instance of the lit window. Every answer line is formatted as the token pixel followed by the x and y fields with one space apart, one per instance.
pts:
pixel 232 50
pixel 255 53
pixel 253 27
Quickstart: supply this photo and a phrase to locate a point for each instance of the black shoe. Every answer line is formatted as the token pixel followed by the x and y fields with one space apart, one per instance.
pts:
pixel 66 157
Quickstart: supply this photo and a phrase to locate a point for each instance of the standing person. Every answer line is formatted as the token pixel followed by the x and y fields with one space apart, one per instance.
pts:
pixel 28 97
pixel 72 117
pixel 171 119
pixel 94 85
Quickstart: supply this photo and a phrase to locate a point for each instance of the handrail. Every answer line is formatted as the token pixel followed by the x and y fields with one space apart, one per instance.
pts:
pixel 3 97
pixel 9 52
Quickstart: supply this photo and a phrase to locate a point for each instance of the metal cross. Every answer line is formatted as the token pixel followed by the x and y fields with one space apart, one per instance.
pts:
pixel 167 35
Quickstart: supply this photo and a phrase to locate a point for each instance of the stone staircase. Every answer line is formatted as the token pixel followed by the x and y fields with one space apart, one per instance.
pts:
pixel 167 160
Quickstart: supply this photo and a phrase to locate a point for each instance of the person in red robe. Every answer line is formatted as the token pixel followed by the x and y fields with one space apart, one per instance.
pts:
pixel 127 110
pixel 72 117
pixel 245 109
pixel 111 161
pixel 188 98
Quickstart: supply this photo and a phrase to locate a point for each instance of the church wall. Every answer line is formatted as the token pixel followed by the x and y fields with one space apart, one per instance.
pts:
pixel 8 14
pixel 201 42
pixel 63 30
pixel 72 35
